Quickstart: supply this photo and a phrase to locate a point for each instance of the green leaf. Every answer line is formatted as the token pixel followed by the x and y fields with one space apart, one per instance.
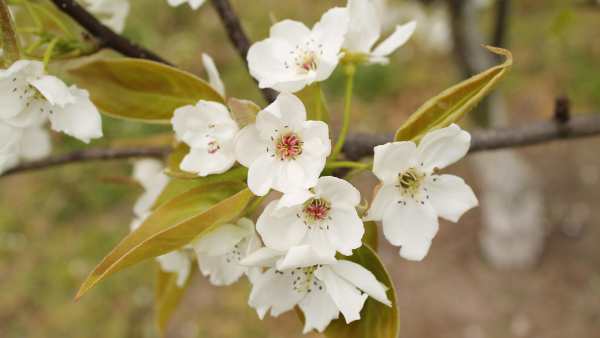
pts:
pixel 243 111
pixel 141 89
pixel 453 103
pixel 167 296
pixel 173 225
pixel 377 320
pixel 371 236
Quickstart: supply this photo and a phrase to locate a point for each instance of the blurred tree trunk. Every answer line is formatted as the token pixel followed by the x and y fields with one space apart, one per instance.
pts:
pixel 511 199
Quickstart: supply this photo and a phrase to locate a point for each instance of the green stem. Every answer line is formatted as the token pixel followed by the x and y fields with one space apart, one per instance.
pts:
pixel 49 50
pixel 348 164
pixel 10 42
pixel 33 15
pixel 318 106
pixel 350 70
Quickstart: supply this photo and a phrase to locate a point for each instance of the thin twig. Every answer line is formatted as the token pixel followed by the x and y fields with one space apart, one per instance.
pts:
pixel 10 43
pixel 501 25
pixel 238 37
pixel 361 145
pixel 105 36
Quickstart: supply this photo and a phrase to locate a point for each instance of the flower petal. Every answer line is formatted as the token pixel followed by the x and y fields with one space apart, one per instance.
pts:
pixel 396 40
pixel 204 163
pixel 263 257
pixel 54 90
pixel 301 256
pixel 291 31
pixel 450 196
pixel 273 290
pixel 331 30
pixel 345 231
pixel 220 271
pixel 280 228
pixel 440 148
pixel 176 262
pixel 219 241
pixel 364 28
pixel 338 191
pixel 14 86
pixel 313 131
pixel 260 175
pixel 248 145
pixel 318 309
pixel 214 78
pixel 384 197
pixel 392 158
pixel 146 170
pixel 362 279
pixel 35 143
pixel 80 119
pixel 345 296
pixel 290 176
pixel 289 109
pixel 411 226
pixel 294 198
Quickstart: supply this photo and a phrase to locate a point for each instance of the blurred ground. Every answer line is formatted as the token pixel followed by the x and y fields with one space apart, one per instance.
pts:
pixel 55 225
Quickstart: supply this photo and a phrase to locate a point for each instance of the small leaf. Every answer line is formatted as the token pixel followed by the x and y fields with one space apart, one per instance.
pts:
pixel 377 320
pixel 243 111
pixel 172 225
pixel 141 89
pixel 371 236
pixel 167 297
pixel 453 103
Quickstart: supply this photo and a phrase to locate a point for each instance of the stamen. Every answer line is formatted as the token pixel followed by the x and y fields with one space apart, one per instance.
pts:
pixel 288 147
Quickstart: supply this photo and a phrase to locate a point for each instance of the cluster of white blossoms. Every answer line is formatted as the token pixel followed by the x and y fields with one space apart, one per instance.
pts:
pixel 314 223
pixel 28 99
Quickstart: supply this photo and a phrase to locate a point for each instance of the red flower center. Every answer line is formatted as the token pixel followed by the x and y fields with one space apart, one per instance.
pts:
pixel 317 209
pixel 288 147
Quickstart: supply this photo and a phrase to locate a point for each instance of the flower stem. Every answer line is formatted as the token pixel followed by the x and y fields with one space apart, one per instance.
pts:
pixel 10 42
pixel 349 70
pixel 49 50
pixel 348 164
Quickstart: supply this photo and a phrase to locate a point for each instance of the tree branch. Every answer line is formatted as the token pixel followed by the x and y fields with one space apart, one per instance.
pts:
pixel 106 36
pixel 238 37
pixel 360 145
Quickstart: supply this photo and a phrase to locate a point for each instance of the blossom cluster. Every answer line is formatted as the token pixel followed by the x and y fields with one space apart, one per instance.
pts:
pixel 296 254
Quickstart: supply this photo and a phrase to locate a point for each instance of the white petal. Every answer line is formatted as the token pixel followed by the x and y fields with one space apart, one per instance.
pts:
pixel 219 241
pixel 345 231
pixel 214 78
pixel 302 256
pixel 411 226
pixel 290 176
pixel 220 271
pixel 54 90
pixel 263 257
pixel 392 158
pixel 203 123
pixel 289 109
pixel 362 279
pixel 440 148
pixel 331 30
pixel 80 119
pixel 338 191
pixel 396 40
pixel 204 163
pixel 35 143
pixel 10 138
pixel 384 197
pixel 294 198
pixel 312 132
pixel 274 291
pixel 280 228
pixel 293 32
pixel 248 145
pixel 267 64
pixel 450 196
pixel 146 170
pixel 176 262
pixel 14 86
pixel 345 296
pixel 319 310
pixel 364 28
pixel 260 175
pixel 319 242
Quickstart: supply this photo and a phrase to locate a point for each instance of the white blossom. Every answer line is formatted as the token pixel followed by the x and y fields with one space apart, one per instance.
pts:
pixel 28 95
pixel 412 195
pixel 112 13
pixel 219 252
pixel 321 291
pixel 194 4
pixel 324 218
pixel 282 150
pixel 294 56
pixel 208 129
pixel 365 30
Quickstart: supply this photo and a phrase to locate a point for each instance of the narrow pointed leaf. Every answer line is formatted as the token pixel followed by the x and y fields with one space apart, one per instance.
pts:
pixel 140 89
pixel 173 225
pixel 377 320
pixel 243 111
pixel 453 103
pixel 167 297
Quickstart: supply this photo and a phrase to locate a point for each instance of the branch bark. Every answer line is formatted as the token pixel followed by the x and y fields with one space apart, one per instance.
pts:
pixel 105 36
pixel 361 145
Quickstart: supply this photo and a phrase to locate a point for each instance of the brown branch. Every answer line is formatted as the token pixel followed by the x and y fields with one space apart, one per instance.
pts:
pixel 361 145
pixel 105 36
pixel 238 37
pixel 502 21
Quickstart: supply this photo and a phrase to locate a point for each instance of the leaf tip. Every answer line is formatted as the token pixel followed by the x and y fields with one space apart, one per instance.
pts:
pixel 501 51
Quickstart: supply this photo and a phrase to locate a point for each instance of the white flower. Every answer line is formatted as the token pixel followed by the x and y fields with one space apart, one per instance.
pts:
pixel 323 218
pixel 112 13
pixel 365 29
pixel 220 251
pixel 178 262
pixel 28 95
pixel 283 150
pixel 195 4
pixel 321 291
pixel 294 56
pixel 412 195
pixel 209 131
pixel 214 78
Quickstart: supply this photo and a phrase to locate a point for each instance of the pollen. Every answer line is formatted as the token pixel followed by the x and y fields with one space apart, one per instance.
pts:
pixel 316 210
pixel 410 181
pixel 288 147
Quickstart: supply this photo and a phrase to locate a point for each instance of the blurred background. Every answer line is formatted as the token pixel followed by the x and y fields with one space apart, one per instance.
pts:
pixel 525 264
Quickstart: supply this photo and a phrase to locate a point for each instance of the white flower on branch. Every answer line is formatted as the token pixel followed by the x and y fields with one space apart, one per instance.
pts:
pixel 365 30
pixel 208 129
pixel 412 195
pixel 219 252
pixel 294 56
pixel 324 218
pixel 112 13
pixel 282 150
pixel 194 4
pixel 27 96
pixel 321 291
